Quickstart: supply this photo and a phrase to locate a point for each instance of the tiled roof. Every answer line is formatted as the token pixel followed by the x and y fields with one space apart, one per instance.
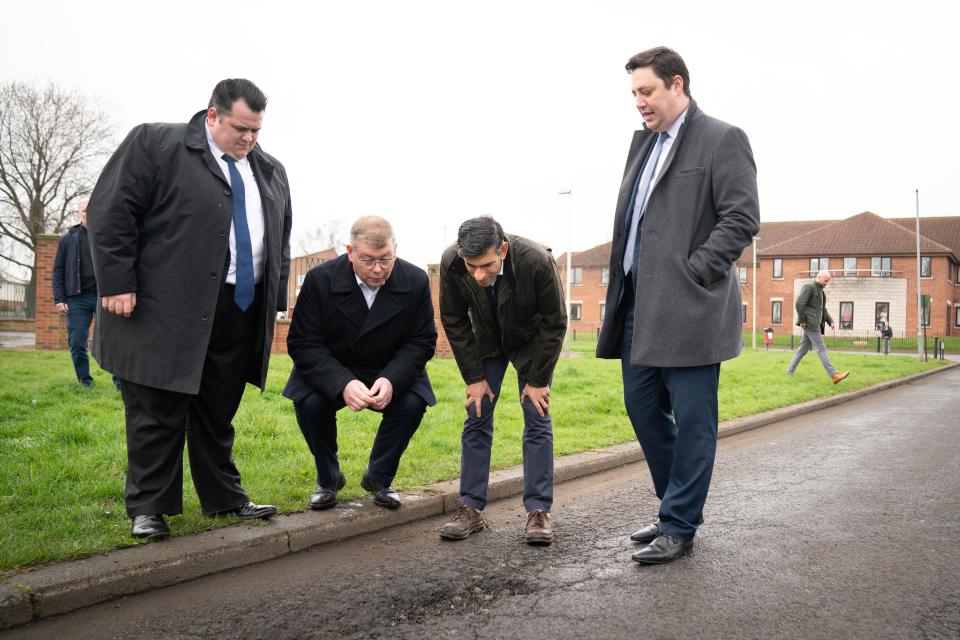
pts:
pixel 943 229
pixel 863 234
pixel 598 256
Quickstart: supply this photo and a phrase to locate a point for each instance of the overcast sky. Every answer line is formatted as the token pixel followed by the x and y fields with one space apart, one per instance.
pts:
pixel 429 113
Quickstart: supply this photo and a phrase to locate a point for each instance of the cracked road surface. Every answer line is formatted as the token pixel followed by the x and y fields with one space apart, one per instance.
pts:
pixel 844 523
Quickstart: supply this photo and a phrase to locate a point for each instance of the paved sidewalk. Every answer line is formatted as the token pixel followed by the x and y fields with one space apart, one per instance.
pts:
pixel 67 586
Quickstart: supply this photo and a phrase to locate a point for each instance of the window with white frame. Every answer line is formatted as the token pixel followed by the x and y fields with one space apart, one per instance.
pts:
pixel 575 310
pixel 850 266
pixel 576 275
pixel 776 312
pixel 778 268
pixel 604 276
pixel 880 266
pixel 926 267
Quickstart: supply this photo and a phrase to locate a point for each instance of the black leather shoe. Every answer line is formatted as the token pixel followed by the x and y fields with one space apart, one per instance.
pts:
pixel 649 533
pixel 326 498
pixel 383 496
pixel 663 549
pixel 249 511
pixel 150 526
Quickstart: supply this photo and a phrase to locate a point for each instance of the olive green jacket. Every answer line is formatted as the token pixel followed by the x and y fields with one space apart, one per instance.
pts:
pixel 529 322
pixel 812 307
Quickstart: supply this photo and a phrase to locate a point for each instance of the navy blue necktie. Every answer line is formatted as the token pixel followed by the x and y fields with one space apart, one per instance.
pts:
pixel 243 293
pixel 644 185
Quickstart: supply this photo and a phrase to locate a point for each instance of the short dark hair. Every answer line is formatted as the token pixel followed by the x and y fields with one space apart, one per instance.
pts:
pixel 476 236
pixel 232 89
pixel 666 63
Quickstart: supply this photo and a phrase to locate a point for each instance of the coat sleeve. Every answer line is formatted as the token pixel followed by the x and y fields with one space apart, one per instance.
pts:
pixel 737 206
pixel 121 198
pixel 59 293
pixel 307 343
pixel 282 301
pixel 801 303
pixel 455 318
pixel 546 343
pixel 410 359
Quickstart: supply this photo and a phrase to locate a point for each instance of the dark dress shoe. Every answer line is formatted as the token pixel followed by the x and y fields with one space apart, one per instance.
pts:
pixel 649 533
pixel 383 496
pixel 150 526
pixel 249 511
pixel 327 498
pixel 663 549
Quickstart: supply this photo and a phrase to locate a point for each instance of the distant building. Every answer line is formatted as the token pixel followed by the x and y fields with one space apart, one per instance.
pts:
pixel 588 286
pixel 298 271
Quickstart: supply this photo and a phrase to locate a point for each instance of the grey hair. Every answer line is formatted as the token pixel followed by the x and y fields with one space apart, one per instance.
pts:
pixel 372 230
pixel 476 236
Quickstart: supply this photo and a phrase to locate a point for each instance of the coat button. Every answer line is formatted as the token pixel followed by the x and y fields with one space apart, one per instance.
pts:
pixel 226 192
pixel 204 318
pixel 223 233
pixel 213 275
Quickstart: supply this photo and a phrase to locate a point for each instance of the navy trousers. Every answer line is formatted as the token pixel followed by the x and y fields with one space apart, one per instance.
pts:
pixel 477 440
pixel 317 417
pixel 80 310
pixel 674 414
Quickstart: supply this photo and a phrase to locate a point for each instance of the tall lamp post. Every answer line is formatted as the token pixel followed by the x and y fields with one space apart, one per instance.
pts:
pixel 920 344
pixel 569 194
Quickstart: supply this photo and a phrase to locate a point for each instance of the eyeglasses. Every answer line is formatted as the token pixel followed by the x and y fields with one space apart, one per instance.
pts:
pixel 368 263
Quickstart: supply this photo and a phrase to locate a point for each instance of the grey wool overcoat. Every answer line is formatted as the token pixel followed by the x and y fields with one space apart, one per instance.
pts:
pixel 702 211
pixel 159 221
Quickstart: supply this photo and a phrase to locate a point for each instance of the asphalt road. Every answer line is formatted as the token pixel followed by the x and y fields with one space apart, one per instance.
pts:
pixel 844 523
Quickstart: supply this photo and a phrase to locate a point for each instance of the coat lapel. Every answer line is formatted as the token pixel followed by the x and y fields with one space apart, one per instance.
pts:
pixel 693 112
pixel 347 297
pixel 389 301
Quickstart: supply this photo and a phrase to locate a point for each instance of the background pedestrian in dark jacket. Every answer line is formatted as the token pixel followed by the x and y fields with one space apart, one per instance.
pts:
pixel 75 293
pixel 812 317
pixel 500 301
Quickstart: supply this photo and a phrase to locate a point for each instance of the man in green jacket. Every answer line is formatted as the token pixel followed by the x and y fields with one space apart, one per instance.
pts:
pixel 501 301
pixel 812 317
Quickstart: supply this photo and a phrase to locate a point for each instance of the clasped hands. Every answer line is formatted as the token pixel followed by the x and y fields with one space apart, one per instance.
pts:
pixel 358 397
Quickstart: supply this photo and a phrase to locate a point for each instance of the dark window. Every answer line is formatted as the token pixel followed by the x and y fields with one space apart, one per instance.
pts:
pixel 956 322
pixel 778 267
pixel 743 314
pixel 776 312
pixel 603 309
pixel 926 267
pixel 850 266
pixel 846 315
pixel 881 315
pixel 604 276
pixel 927 304
pixel 880 266
pixel 574 310
pixel 577 274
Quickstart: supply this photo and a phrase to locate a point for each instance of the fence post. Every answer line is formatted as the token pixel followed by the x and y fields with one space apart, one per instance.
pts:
pixel 791 341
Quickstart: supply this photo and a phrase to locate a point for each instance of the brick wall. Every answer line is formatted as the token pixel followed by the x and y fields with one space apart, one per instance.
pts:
pixel 280 331
pixel 443 345
pixel 590 294
pixel 50 325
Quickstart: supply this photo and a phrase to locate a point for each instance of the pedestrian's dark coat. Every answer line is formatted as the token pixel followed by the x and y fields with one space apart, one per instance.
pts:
pixel 159 222
pixel 530 312
pixel 811 305
pixel 703 210
pixel 66 265
pixel 334 338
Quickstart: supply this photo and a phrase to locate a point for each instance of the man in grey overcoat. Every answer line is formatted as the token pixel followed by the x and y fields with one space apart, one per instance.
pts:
pixel 688 206
pixel 190 231
pixel 812 318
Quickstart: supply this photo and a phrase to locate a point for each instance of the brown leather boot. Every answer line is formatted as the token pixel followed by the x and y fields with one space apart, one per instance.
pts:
pixel 465 521
pixel 538 527
pixel 839 376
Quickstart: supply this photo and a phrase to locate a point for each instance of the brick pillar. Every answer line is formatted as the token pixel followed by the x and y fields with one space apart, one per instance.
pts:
pixel 443 345
pixel 51 327
pixel 280 331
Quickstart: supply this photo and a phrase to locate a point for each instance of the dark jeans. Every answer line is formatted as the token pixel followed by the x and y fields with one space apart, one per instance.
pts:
pixel 477 440
pixel 674 412
pixel 317 417
pixel 80 311
pixel 160 421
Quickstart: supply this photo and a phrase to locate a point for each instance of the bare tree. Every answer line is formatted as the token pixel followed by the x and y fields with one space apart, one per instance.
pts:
pixel 328 235
pixel 50 140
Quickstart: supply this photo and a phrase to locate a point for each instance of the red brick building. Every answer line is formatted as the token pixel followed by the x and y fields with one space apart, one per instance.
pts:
pixel 588 286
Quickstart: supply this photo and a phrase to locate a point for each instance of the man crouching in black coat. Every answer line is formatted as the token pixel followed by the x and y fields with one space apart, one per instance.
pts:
pixel 361 336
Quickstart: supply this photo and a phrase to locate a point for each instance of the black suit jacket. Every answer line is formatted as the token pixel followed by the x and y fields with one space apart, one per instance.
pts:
pixel 334 338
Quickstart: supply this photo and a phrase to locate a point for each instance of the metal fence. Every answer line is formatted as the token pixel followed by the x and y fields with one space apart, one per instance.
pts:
pixel 862 341
pixel 13 302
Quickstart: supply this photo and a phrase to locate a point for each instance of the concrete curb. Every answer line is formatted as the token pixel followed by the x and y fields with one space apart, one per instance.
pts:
pixel 67 586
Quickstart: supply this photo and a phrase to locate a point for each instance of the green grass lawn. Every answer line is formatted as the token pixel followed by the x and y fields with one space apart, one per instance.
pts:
pixel 64 456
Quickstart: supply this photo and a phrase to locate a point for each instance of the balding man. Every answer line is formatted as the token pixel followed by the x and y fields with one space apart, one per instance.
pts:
pixel 812 317
pixel 361 336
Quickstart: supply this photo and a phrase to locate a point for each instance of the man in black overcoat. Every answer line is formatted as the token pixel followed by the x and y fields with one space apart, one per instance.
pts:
pixel 361 336
pixel 190 234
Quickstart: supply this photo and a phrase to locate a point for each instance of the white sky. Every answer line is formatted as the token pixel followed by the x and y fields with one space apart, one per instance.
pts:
pixel 429 113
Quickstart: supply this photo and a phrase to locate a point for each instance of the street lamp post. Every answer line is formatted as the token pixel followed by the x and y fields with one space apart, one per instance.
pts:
pixel 920 344
pixel 569 194
pixel 753 287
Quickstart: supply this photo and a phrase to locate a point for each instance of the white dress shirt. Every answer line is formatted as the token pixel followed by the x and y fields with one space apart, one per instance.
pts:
pixel 369 293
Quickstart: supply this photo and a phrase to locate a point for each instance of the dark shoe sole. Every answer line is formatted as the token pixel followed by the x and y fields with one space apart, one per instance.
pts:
pixel 462 536
pixel 539 540
pixel 150 537
pixel 322 506
pixel 661 559
pixel 386 505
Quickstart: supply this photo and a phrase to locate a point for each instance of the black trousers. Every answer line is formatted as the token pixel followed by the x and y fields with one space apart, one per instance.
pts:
pixel 317 418
pixel 160 421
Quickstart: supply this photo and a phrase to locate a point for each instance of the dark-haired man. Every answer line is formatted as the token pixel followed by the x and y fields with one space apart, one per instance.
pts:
pixel 501 301
pixel 687 208
pixel 361 336
pixel 190 230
